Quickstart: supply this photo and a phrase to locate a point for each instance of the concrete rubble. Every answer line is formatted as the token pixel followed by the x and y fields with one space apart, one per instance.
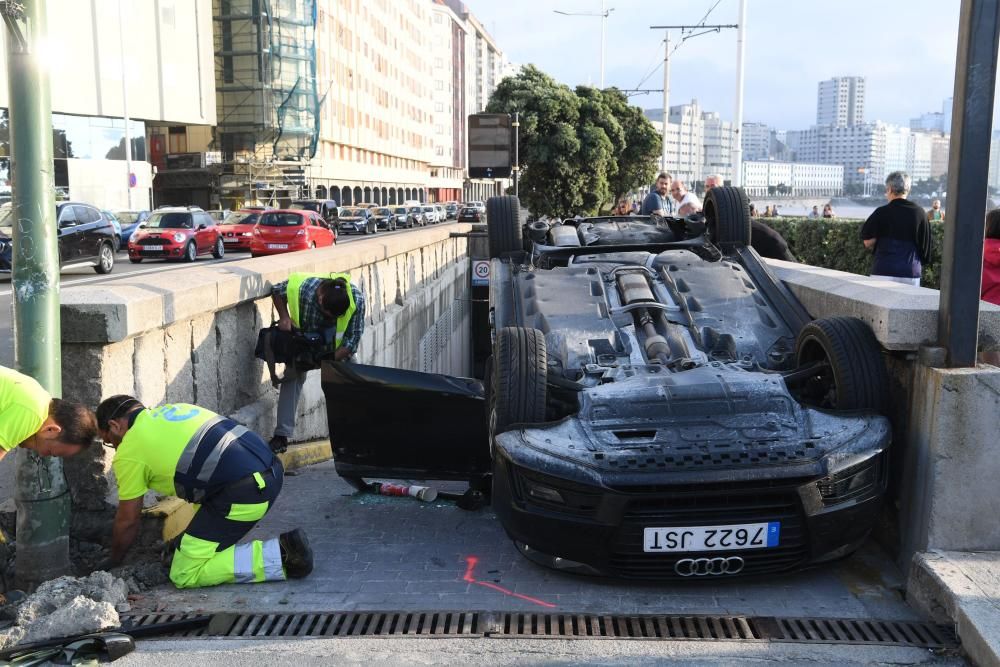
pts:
pixel 65 607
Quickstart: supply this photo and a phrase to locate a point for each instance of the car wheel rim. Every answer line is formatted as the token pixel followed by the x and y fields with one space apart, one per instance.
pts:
pixel 106 258
pixel 191 252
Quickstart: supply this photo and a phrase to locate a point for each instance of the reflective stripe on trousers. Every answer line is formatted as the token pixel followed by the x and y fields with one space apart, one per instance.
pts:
pixel 258 561
pixel 208 554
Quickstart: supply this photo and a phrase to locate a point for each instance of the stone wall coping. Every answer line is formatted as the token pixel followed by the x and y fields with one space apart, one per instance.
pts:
pixel 903 317
pixel 118 311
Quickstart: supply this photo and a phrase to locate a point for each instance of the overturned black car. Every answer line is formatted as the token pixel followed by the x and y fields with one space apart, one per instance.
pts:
pixel 657 404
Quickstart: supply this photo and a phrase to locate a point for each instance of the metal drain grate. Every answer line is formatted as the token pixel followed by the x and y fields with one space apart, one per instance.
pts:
pixel 551 626
pixel 856 631
pixel 621 627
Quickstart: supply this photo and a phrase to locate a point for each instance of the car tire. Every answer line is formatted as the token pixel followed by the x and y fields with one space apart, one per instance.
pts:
pixel 190 252
pixel 727 215
pixel 219 251
pixel 118 243
pixel 105 259
pixel 135 260
pixel 520 367
pixel 504 229
pixel 853 375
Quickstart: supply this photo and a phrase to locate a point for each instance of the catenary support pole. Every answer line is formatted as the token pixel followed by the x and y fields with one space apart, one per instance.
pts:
pixel 40 494
pixel 666 95
pixel 968 167
pixel 738 115
pixel 517 140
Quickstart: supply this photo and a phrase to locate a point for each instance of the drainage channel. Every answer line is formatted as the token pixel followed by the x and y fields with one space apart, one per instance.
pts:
pixel 546 626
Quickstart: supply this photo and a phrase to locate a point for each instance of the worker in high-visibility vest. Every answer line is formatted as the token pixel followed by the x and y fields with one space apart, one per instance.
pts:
pixel 32 419
pixel 325 303
pixel 228 471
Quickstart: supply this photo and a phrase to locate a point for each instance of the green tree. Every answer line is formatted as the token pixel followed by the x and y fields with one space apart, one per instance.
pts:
pixel 578 149
pixel 638 159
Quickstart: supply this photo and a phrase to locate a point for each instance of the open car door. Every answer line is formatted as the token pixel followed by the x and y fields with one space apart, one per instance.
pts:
pixel 399 424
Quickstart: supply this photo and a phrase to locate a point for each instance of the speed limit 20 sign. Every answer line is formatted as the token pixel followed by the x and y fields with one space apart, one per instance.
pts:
pixel 480 272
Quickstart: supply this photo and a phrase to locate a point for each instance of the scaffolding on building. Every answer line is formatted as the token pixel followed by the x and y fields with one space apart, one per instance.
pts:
pixel 266 95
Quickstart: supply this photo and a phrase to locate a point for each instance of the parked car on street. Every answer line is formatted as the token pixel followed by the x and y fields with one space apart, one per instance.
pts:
pixel 356 220
pixel 476 204
pixel 110 217
pixel 430 214
pixel 289 230
pixel 403 217
pixel 416 213
pixel 657 404
pixel 384 218
pixel 327 209
pixel 470 214
pixel 237 229
pixel 176 233
pixel 85 237
pixel 129 220
pixel 451 210
pixel 441 212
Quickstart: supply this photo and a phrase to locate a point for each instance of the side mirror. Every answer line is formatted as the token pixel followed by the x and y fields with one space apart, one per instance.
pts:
pixel 202 226
pixel 141 225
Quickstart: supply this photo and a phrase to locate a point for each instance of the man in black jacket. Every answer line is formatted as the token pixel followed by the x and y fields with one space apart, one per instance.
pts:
pixel 899 234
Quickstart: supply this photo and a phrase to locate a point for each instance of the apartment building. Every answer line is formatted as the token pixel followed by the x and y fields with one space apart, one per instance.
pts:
pixel 796 178
pixel 840 101
pixel 756 141
pixel 153 58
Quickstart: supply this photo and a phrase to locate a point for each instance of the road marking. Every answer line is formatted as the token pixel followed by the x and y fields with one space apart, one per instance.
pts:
pixel 470 577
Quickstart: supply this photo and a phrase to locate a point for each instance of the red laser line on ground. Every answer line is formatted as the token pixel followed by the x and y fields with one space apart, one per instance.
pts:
pixel 470 577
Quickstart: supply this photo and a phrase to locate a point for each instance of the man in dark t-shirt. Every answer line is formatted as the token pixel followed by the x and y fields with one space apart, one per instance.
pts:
pixel 898 233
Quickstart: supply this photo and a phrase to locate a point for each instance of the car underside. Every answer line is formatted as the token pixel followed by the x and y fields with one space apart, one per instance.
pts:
pixel 657 405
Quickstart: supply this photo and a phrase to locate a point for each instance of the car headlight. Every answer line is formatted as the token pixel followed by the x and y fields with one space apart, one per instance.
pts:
pixel 247 234
pixel 179 238
pixel 301 232
pixel 544 493
pixel 854 482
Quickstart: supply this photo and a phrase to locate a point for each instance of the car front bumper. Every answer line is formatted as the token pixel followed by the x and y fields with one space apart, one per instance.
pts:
pixel 599 525
pixel 352 228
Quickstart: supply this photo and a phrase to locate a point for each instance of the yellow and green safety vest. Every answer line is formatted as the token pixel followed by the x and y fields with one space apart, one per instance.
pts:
pixel 148 455
pixel 24 406
pixel 295 281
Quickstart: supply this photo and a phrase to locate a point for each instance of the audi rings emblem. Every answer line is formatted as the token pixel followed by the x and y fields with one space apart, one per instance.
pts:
pixel 703 567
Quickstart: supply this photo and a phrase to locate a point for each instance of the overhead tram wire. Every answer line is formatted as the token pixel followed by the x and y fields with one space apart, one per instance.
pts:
pixel 639 90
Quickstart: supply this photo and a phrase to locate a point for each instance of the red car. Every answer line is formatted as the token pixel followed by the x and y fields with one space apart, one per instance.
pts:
pixel 176 233
pixel 237 229
pixel 288 231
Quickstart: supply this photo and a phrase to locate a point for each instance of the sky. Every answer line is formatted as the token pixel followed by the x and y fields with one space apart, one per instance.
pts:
pixel 905 50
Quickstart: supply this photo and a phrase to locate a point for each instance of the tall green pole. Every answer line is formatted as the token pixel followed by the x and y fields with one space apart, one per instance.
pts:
pixel 41 493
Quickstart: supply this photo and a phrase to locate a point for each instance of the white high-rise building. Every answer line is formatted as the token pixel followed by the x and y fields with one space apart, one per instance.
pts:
pixel 841 101
pixel 860 149
pixel 698 143
pixel 756 141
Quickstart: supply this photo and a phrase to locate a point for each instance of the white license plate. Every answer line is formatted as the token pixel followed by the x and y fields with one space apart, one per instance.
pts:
pixel 711 538
pixel 152 247
pixel 278 246
pixel 230 240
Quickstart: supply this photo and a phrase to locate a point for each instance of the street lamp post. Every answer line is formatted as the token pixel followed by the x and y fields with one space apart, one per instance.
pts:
pixel 604 20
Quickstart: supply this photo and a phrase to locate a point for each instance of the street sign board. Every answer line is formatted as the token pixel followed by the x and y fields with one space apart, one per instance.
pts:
pixel 489 145
pixel 480 272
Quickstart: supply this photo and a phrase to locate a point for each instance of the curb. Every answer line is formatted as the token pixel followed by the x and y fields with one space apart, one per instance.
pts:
pixel 176 514
pixel 949 591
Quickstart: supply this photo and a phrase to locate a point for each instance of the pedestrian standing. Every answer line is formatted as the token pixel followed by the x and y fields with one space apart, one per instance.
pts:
pixel 991 259
pixel 32 419
pixel 814 213
pixel 935 214
pixel 658 202
pixel 328 304
pixel 227 470
pixel 898 234
pixel 685 203
pixel 828 211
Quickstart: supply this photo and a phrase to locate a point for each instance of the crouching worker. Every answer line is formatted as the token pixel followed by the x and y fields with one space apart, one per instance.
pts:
pixel 229 471
pixel 32 419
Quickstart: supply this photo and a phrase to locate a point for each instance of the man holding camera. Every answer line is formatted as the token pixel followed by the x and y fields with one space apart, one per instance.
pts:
pixel 323 303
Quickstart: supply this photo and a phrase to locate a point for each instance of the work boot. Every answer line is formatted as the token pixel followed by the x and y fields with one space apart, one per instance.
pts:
pixel 296 554
pixel 278 444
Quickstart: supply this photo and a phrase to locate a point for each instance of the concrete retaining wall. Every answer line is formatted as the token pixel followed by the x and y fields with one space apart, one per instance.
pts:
pixel 945 421
pixel 194 341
